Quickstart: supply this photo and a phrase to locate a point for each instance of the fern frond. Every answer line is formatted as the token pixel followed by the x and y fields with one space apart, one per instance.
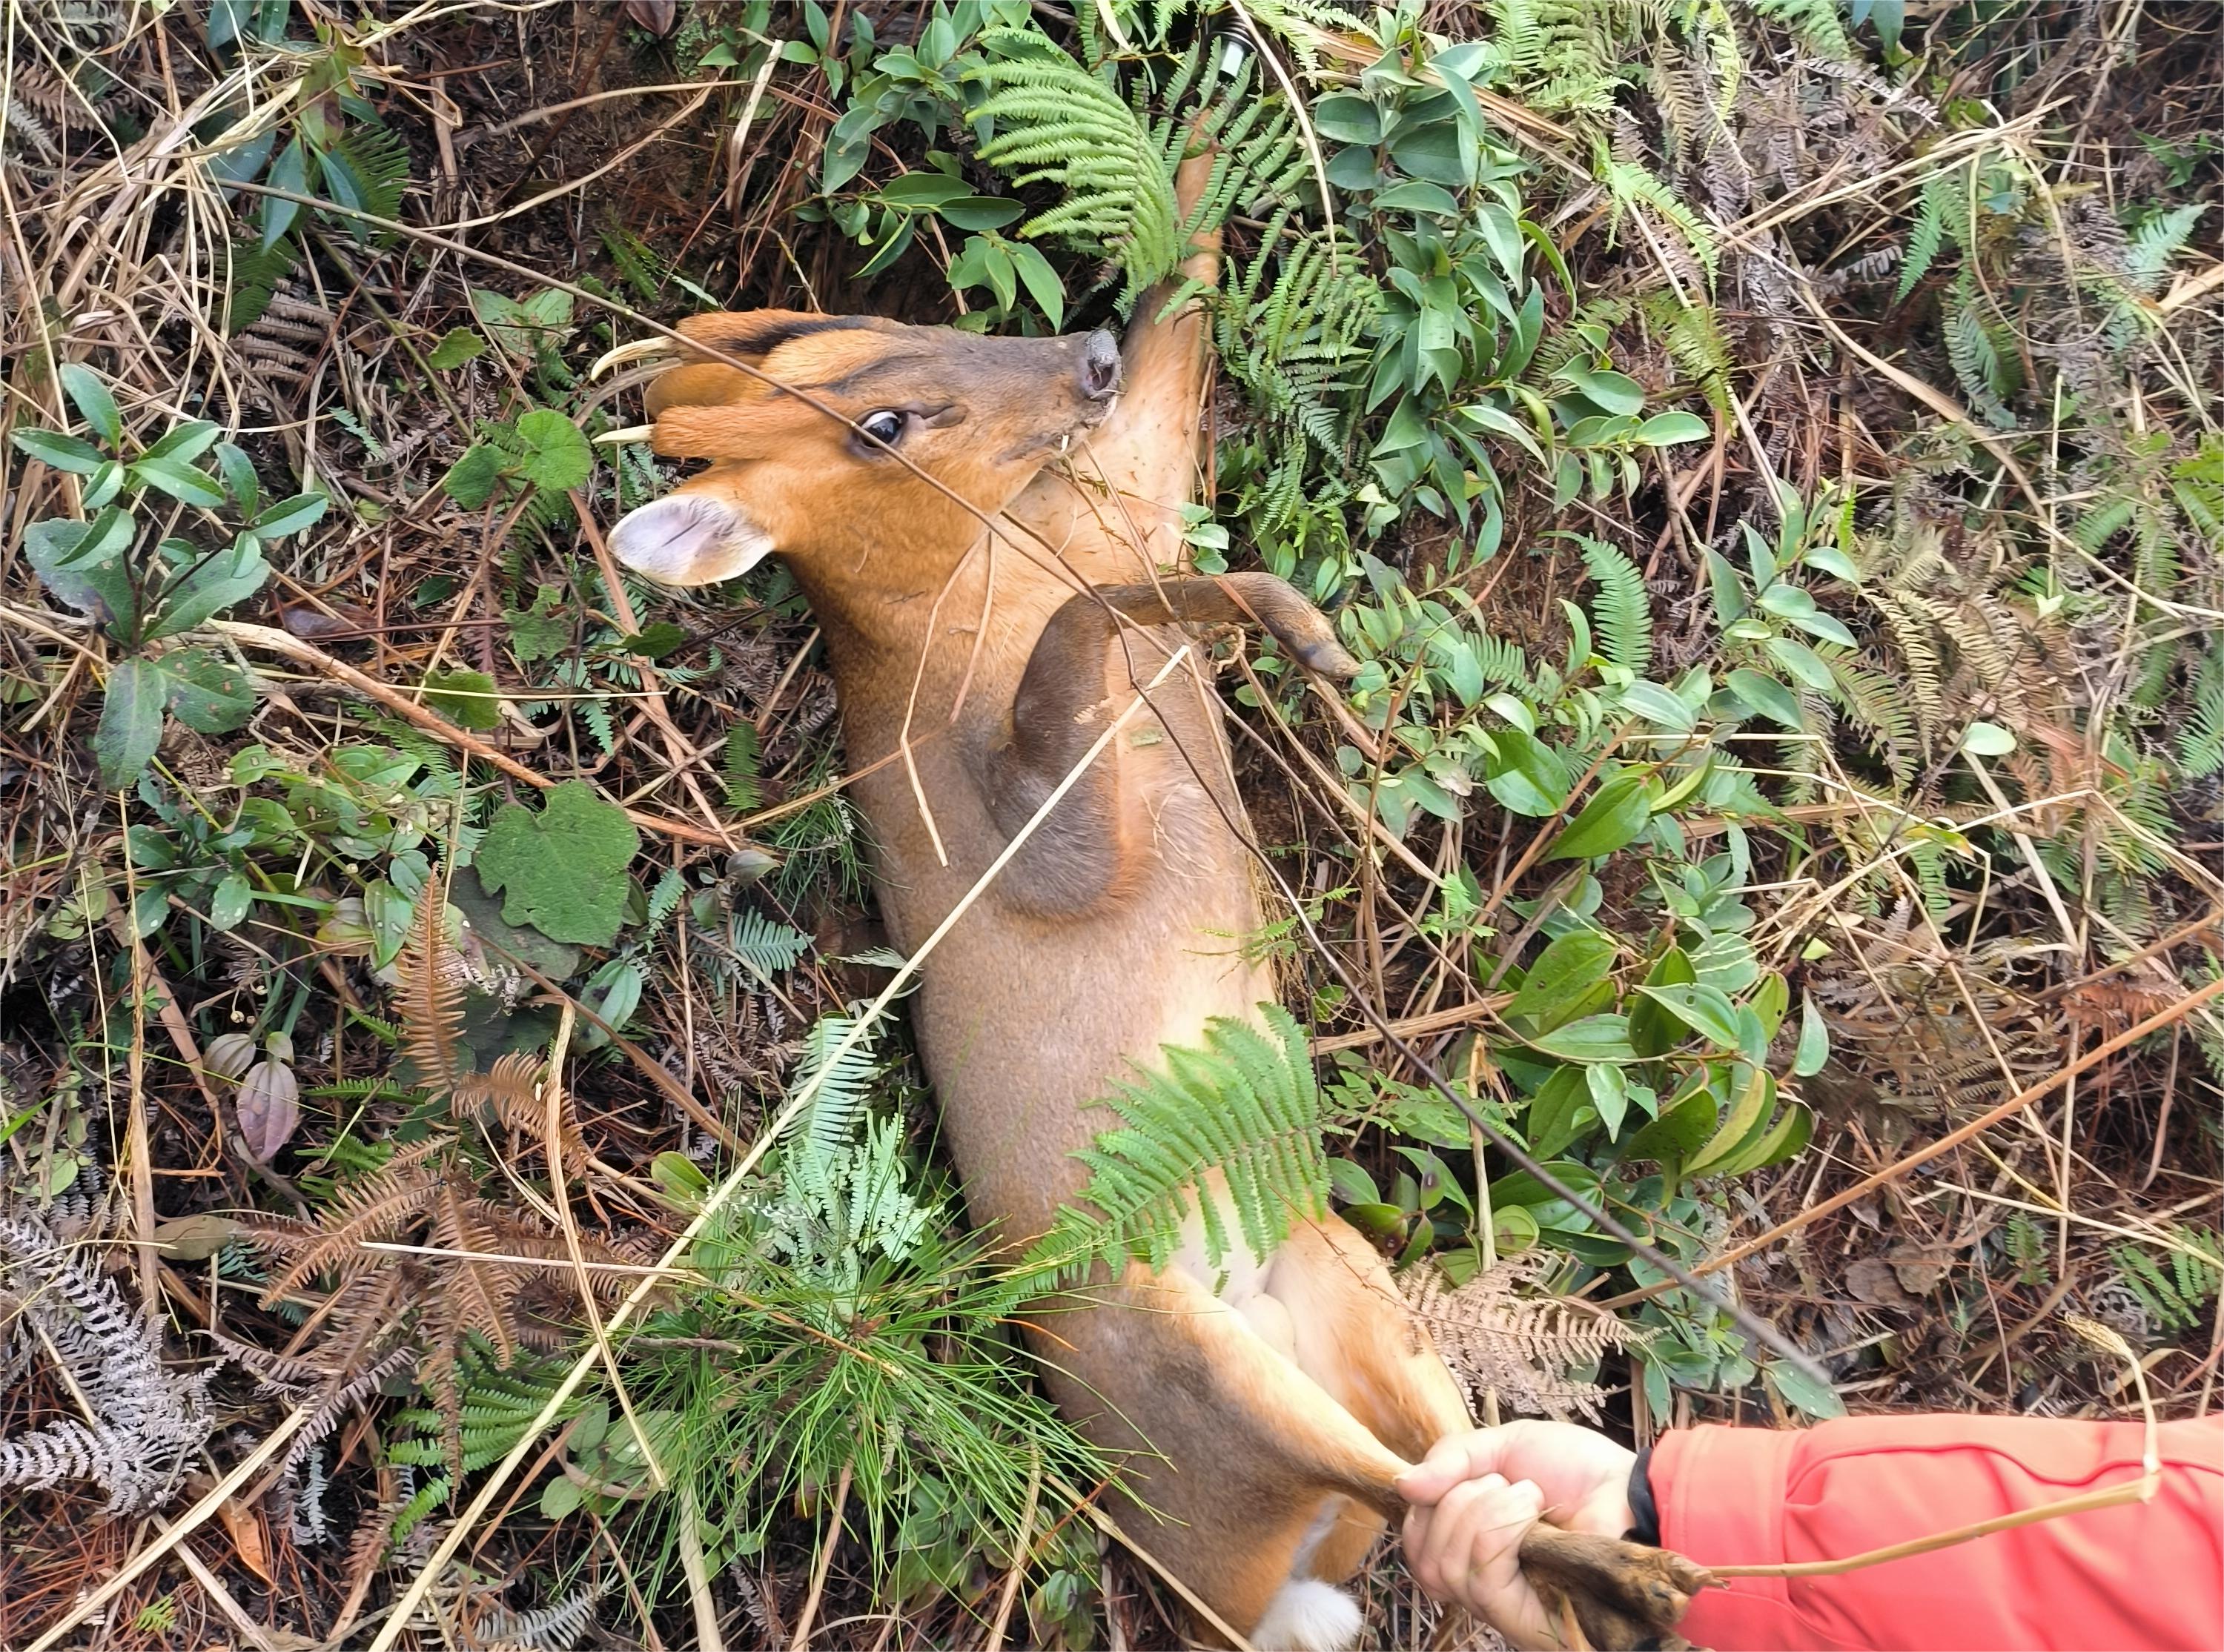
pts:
pixel 430 1003
pixel 1621 612
pixel 1525 1349
pixel 1244 1104
pixel 1059 123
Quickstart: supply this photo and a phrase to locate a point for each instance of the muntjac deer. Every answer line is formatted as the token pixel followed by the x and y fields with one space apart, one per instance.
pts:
pixel 1269 1415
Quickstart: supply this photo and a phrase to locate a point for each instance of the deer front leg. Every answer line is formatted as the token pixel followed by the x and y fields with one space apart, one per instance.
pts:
pixel 1081 673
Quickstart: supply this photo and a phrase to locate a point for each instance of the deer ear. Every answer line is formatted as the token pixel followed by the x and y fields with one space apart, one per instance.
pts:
pixel 690 540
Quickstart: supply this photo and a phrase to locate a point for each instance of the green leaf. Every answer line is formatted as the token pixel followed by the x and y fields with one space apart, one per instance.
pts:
pixel 1677 1131
pixel 82 564
pixel 1609 1094
pixel 472 480
pixel 1814 1040
pixel 1818 1400
pixel 1609 391
pixel 1565 978
pixel 556 457
pixel 457 346
pixel 51 447
pixel 1666 429
pixel 184 443
pixel 131 723
pixel 1798 660
pixel 1347 118
pixel 979 213
pixel 1529 777
pixel 213 584
pixel 1988 739
pixel 1616 813
pixel 180 480
pixel 1041 281
pixel 468 699
pixel 1594 1038
pixel 1652 1029
pixel 562 870
pixel 239 478
pixel 1706 1010
pixel 1765 696
pixel 289 172
pixel 1658 707
pixel 290 517
pixel 228 905
pixel 94 405
pixel 209 695
pixel 1560 1112
pixel 1415 196
pixel 1744 1123
pixel 654 641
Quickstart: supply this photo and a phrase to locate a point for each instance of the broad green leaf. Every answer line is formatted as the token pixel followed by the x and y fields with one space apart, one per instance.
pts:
pixel 1616 813
pixel 213 584
pixel 290 515
pixel 130 725
pixel 1678 1130
pixel 1528 777
pixel 1765 696
pixel 556 456
pixel 1565 978
pixel 1787 1135
pixel 1415 196
pixel 1988 739
pixel 1519 1188
pixel 50 447
pixel 466 698
pixel 921 189
pixel 1347 118
pixel 180 480
pixel 1746 1120
pixel 472 480
pixel 1814 1040
pixel 209 695
pixel 1818 1400
pixel 1610 1093
pixel 458 345
pixel 1706 1010
pixel 93 403
pixel 1560 1112
pixel 1041 280
pixel 289 172
pixel 1798 660
pixel 239 478
pixel 1666 429
pixel 1611 391
pixel 182 443
pixel 1594 1038
pixel 229 904
pixel 83 565
pixel 1514 1230
pixel 561 869
pixel 979 211
pixel 1652 1029
pixel 1658 707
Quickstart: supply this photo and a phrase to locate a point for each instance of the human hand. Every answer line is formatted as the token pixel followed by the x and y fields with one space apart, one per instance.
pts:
pixel 1475 1497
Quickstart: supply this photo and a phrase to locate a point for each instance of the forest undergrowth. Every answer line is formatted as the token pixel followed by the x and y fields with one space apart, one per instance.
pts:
pixel 464 1179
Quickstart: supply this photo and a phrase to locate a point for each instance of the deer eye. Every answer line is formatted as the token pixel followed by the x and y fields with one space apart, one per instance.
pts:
pixel 885 426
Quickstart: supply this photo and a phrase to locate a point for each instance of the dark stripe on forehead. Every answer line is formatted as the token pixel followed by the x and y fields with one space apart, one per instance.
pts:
pixel 857 377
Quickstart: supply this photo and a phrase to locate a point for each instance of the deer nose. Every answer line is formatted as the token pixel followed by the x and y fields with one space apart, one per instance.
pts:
pixel 1100 366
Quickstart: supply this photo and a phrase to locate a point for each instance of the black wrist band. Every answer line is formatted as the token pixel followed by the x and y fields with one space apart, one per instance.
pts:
pixel 1644 1514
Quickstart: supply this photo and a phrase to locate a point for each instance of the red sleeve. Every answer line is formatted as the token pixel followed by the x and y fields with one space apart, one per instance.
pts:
pixel 2137 1575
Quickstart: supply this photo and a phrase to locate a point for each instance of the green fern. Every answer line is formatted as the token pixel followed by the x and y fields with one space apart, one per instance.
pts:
pixel 1631 185
pixel 2201 736
pixel 1059 123
pixel 1988 373
pixel 741 766
pixel 1925 237
pixel 1245 1104
pixel 2177 1289
pixel 1621 612
pixel 1818 24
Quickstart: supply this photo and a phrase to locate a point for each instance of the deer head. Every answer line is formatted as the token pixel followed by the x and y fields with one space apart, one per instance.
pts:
pixel 979 415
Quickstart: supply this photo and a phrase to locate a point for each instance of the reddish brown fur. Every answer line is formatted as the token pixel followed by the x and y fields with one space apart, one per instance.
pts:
pixel 1300 1391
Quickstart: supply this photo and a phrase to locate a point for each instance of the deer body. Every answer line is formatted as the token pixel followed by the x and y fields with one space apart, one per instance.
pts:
pixel 1271 1414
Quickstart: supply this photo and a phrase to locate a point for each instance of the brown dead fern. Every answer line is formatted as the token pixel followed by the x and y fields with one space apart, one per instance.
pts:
pixel 1525 1349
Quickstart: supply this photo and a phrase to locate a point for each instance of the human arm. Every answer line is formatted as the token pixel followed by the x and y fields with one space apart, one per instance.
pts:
pixel 2137 1575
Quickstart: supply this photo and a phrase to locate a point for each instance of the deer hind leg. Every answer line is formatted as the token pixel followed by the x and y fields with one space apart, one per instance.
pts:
pixel 1251 1472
